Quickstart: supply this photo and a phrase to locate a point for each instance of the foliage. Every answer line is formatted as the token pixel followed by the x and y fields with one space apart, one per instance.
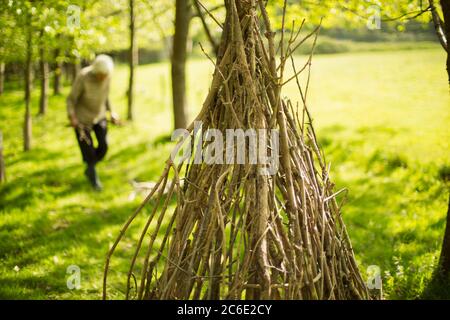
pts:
pixel 104 23
pixel 79 28
pixel 351 14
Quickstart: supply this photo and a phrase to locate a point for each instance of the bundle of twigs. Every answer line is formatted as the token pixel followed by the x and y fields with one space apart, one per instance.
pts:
pixel 236 233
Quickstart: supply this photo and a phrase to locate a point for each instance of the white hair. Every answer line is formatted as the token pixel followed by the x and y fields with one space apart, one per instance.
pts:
pixel 103 64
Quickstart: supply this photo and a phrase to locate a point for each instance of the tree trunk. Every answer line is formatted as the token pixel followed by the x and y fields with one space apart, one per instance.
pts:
pixel 179 52
pixel 67 72
pixel 2 77
pixel 43 66
pixel 58 72
pixel 133 60
pixel 445 4
pixel 444 261
pixel 28 69
pixel 445 252
pixel 2 162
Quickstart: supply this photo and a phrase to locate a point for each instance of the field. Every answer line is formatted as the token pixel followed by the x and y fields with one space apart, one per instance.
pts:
pixel 382 119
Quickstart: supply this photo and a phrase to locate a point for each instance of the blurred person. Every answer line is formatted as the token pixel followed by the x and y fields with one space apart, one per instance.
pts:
pixel 87 105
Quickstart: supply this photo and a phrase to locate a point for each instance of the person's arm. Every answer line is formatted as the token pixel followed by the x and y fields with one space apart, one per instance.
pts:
pixel 114 116
pixel 72 99
pixel 108 105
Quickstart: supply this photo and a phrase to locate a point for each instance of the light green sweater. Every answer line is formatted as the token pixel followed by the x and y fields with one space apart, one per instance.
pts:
pixel 88 99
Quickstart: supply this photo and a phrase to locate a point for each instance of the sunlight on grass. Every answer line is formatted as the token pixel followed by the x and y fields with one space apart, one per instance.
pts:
pixel 382 119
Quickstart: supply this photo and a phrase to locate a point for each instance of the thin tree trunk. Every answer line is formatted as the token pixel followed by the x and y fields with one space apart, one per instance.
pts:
pixel 179 53
pixel 444 261
pixel 2 77
pixel 43 66
pixel 58 72
pixel 67 72
pixel 133 60
pixel 443 32
pixel 445 252
pixel 28 68
pixel 445 4
pixel 2 162
pixel 438 25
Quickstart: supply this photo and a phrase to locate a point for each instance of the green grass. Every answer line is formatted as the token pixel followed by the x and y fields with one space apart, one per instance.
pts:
pixel 381 117
pixel 327 45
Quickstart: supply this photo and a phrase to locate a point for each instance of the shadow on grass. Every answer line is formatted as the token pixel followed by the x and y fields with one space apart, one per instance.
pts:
pixel 367 222
pixel 23 191
pixel 36 155
pixel 72 225
pixel 438 288
pixel 163 139
pixel 129 152
pixel 76 233
pixel 33 286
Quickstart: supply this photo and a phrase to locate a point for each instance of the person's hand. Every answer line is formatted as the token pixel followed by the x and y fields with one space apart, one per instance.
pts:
pixel 115 118
pixel 73 121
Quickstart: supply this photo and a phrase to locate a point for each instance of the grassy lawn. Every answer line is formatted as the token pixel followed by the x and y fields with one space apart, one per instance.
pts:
pixel 382 118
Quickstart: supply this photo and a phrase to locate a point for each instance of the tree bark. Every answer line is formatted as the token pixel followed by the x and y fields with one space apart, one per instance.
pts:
pixel 58 72
pixel 27 127
pixel 2 162
pixel 43 66
pixel 438 25
pixel 133 60
pixel 179 53
pixel 445 252
pixel 444 261
pixel 445 5
pixel 2 77
pixel 67 72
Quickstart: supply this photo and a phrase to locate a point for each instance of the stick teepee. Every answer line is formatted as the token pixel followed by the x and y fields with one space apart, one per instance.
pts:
pixel 236 233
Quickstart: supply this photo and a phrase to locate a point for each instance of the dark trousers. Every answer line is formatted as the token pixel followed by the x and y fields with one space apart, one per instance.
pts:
pixel 91 154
